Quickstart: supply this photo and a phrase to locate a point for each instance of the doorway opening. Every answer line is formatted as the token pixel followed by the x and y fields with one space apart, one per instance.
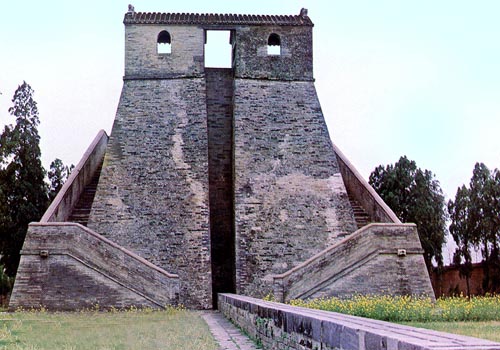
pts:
pixel 218 49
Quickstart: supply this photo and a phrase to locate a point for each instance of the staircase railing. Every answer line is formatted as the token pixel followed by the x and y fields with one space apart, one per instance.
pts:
pixel 81 176
pixel 362 192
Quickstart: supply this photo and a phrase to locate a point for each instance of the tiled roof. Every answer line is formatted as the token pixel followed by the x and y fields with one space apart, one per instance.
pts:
pixel 132 17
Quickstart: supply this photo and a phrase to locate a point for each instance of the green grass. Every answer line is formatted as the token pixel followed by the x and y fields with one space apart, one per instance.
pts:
pixel 145 330
pixel 485 330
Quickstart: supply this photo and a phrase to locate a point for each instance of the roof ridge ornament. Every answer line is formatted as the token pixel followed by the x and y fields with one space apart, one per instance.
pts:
pixel 131 8
pixel 303 12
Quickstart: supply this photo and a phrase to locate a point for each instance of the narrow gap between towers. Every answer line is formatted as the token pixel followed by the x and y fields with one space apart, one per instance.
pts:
pixel 219 99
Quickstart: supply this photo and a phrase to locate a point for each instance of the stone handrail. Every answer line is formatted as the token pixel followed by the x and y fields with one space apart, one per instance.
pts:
pixel 81 176
pixel 362 192
pixel 89 250
pixel 386 245
pixel 281 326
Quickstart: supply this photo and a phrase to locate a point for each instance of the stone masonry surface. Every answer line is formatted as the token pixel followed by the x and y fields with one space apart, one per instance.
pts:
pixel 226 334
pixel 142 60
pixel 290 201
pixel 152 196
pixel 280 326
pixel 293 64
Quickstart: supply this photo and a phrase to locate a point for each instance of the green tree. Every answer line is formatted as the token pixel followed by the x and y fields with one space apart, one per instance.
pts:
pixel 461 233
pixel 395 183
pixel 23 191
pixel 415 196
pixel 484 221
pixel 58 174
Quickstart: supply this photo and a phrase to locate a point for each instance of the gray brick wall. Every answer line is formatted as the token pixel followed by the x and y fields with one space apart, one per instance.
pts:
pixel 152 196
pixel 252 60
pixel 141 55
pixel 290 200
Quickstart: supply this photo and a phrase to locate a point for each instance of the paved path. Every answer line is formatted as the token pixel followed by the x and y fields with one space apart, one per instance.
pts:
pixel 227 335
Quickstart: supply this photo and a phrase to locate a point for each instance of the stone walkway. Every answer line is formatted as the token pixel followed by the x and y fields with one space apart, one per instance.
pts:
pixel 227 335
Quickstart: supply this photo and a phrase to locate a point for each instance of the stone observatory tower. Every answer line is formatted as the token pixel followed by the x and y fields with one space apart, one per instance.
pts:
pixel 216 180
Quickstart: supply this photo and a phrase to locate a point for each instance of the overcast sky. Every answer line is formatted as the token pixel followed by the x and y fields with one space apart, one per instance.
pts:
pixel 416 78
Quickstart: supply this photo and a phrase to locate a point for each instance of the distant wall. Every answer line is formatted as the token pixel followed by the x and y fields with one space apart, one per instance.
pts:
pixel 65 266
pixel 370 261
pixel 62 206
pixel 280 326
pixel 449 282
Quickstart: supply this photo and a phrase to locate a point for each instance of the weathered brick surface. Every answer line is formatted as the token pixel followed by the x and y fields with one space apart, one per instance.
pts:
pixel 81 269
pixel 143 61
pixel 290 200
pixel 279 326
pixel 253 61
pixel 152 196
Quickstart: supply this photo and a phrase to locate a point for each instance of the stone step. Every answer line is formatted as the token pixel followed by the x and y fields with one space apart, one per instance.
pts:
pixel 360 215
pixel 82 209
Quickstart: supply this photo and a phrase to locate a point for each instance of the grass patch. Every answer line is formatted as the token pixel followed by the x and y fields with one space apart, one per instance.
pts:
pixel 134 329
pixel 411 309
pixel 478 329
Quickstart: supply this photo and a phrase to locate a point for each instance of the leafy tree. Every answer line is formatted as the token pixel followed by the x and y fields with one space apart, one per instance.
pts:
pixel 459 211
pixel 58 174
pixel 23 191
pixel 415 196
pixel 484 221
pixel 394 184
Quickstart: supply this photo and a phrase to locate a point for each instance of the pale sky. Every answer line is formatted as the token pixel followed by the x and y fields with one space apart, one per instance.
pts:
pixel 416 78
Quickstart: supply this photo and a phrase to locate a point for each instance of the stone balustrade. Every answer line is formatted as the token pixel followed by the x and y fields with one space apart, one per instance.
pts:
pixel 281 326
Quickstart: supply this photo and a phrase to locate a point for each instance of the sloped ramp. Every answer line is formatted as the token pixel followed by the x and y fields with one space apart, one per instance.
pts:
pixel 66 266
pixel 380 258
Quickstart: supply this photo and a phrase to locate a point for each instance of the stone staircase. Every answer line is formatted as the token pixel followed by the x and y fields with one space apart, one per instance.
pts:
pixel 350 264
pixel 81 269
pixel 360 215
pixel 81 211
